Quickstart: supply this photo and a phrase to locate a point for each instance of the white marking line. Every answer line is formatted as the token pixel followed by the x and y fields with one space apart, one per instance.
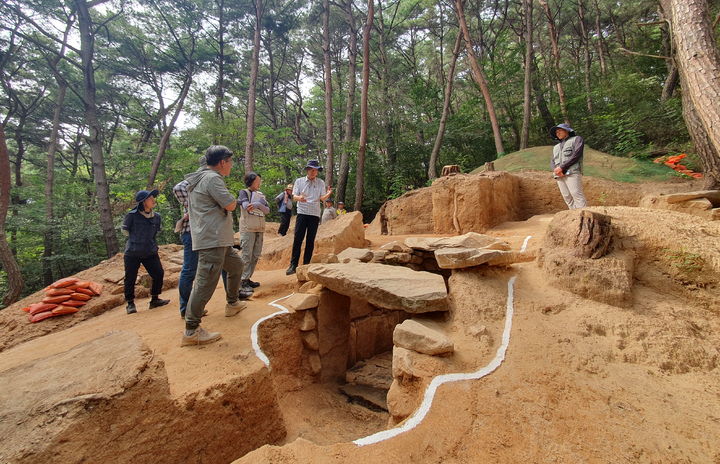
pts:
pixel 254 331
pixel 424 408
pixel 525 243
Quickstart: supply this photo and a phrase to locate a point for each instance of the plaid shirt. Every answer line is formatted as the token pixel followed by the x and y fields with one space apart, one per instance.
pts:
pixel 182 195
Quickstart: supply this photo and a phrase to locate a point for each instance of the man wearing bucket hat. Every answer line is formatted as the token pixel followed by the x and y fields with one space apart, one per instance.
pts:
pixel 141 225
pixel 566 165
pixel 308 192
pixel 284 204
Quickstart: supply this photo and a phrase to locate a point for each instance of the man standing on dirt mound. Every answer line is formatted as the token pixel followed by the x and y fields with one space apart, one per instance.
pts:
pixel 210 204
pixel 566 165
pixel 308 192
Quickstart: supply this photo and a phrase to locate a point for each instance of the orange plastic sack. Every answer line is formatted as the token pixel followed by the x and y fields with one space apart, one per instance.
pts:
pixel 66 282
pixel 96 288
pixel 81 284
pixel 40 307
pixel 80 297
pixel 85 291
pixel 56 299
pixel 75 303
pixel 40 316
pixel 58 292
pixel 60 310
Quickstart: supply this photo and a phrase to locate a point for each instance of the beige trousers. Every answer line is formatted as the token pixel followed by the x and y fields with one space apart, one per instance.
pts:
pixel 572 190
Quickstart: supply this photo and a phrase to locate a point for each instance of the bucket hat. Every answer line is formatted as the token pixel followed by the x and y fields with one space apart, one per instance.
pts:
pixel 313 164
pixel 553 130
pixel 143 195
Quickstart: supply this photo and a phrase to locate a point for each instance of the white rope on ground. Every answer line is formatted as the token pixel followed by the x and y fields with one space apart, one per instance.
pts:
pixel 424 408
pixel 525 243
pixel 254 330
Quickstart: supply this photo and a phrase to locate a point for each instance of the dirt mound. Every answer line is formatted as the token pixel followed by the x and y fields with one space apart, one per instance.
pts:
pixel 108 400
pixel 346 231
pixel 110 273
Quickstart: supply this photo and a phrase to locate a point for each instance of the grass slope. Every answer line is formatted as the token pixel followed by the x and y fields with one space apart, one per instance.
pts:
pixel 595 164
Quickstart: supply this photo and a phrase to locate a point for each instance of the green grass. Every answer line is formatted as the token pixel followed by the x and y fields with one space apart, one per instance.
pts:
pixel 595 164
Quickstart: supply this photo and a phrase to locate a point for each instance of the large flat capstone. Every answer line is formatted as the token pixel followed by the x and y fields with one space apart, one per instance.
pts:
pixel 468 240
pixel 389 287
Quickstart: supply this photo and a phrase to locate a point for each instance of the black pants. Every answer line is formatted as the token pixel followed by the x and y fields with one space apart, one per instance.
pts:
pixel 284 222
pixel 152 265
pixel 304 223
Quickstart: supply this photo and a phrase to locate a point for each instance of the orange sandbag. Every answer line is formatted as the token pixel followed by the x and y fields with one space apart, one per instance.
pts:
pixel 62 309
pixel 80 284
pixel 96 288
pixel 85 291
pixel 59 292
pixel 80 297
pixel 40 316
pixel 56 299
pixel 66 282
pixel 26 309
pixel 40 307
pixel 76 303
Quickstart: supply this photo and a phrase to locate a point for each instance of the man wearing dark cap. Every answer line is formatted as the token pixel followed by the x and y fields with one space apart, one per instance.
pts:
pixel 210 203
pixel 141 225
pixel 308 192
pixel 566 165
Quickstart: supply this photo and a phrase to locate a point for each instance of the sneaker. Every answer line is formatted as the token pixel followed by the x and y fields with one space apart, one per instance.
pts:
pixel 291 269
pixel 245 293
pixel 131 307
pixel 232 309
pixel 250 283
pixel 200 337
pixel 156 302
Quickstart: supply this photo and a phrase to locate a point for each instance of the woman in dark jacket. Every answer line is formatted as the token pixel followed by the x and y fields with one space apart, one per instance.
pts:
pixel 141 225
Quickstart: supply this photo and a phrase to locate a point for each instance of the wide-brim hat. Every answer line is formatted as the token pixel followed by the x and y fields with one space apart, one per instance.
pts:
pixel 553 130
pixel 313 164
pixel 143 195
pixel 289 187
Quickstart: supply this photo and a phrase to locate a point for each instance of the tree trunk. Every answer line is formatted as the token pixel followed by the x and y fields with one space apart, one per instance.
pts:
pixel 87 44
pixel 586 53
pixel 9 264
pixel 432 170
pixel 525 132
pixel 698 61
pixel 556 61
pixel 220 86
pixel 169 129
pixel 250 126
pixel 329 161
pixel 545 114
pixel 600 40
pixel 479 77
pixel 48 236
pixel 349 105
pixel 360 171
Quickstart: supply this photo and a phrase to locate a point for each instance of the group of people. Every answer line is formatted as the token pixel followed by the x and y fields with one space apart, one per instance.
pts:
pixel 206 229
pixel 206 232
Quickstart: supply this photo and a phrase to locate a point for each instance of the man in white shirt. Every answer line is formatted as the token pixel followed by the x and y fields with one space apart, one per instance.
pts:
pixel 308 193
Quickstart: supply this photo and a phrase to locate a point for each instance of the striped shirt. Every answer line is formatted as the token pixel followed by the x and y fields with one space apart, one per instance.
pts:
pixel 181 193
pixel 312 190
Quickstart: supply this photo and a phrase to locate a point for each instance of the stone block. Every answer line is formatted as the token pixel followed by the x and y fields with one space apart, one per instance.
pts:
pixel 419 337
pixel 301 301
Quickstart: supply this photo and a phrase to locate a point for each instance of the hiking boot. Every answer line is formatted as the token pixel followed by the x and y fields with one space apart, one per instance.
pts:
pixel 131 307
pixel 291 269
pixel 200 337
pixel 156 302
pixel 250 283
pixel 232 309
pixel 245 293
